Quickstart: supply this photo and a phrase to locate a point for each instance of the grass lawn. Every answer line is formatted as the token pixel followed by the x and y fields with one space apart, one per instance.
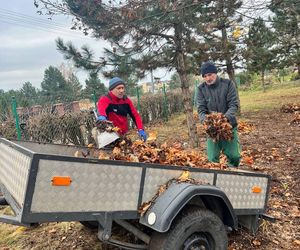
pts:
pixel 252 101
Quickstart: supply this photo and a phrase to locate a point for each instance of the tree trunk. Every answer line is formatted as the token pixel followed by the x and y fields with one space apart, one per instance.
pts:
pixel 229 65
pixel 187 101
pixel 263 80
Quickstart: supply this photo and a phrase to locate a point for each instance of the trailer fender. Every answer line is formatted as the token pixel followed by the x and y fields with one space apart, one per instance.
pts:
pixel 160 215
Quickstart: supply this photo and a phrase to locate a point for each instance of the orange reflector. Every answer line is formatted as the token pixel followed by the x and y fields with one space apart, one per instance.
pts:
pixel 256 189
pixel 61 181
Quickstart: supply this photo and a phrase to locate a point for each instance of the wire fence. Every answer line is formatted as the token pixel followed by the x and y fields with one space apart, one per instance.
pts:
pixel 72 123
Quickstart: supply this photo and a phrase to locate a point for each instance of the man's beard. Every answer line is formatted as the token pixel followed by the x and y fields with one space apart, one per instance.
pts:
pixel 211 82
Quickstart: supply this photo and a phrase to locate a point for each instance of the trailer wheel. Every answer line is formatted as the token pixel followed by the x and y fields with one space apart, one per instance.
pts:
pixel 194 229
pixel 90 224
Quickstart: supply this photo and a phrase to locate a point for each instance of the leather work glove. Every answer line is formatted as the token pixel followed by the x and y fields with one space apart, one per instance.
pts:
pixel 143 134
pixel 101 118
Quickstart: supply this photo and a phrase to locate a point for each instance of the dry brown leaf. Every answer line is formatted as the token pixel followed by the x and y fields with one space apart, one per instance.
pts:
pixel 296 242
pixel 144 207
pixel 53 230
pixel 248 160
pixel 152 136
pixel 184 176
pixel 256 242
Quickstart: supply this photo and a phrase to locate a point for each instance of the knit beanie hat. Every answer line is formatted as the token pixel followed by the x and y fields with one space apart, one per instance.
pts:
pixel 208 67
pixel 114 82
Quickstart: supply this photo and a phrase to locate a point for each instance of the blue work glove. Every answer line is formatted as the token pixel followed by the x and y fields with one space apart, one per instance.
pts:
pixel 143 134
pixel 101 118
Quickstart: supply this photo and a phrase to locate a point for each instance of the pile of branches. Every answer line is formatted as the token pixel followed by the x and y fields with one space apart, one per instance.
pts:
pixel 290 108
pixel 8 129
pixel 71 128
pixel 217 127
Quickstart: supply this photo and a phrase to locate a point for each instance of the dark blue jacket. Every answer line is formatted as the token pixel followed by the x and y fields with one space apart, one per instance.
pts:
pixel 218 97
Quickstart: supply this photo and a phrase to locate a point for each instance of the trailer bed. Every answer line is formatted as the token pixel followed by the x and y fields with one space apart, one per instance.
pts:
pixel 98 186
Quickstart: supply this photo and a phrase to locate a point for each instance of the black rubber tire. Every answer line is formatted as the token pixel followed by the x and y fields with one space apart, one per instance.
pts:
pixel 90 224
pixel 192 221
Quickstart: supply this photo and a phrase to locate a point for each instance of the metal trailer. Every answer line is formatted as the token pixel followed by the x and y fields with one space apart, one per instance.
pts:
pixel 100 193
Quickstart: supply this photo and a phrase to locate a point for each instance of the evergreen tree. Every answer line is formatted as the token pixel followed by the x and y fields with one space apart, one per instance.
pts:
pixel 93 86
pixel 54 86
pixel 5 104
pixel 286 23
pixel 72 80
pixel 75 86
pixel 260 56
pixel 157 33
pixel 124 66
pixel 28 95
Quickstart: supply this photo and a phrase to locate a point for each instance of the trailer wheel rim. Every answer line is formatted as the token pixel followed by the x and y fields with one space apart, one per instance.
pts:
pixel 199 241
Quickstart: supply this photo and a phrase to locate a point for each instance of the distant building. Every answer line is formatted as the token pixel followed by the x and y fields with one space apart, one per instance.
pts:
pixel 147 87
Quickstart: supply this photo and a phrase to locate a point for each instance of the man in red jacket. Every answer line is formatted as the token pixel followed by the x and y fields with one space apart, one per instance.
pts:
pixel 115 106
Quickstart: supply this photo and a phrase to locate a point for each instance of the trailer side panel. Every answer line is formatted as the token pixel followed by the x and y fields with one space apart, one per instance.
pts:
pixel 14 170
pixel 94 187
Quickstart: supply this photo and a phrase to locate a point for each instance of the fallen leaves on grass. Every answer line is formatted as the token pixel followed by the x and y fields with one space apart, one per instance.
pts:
pixel 290 108
pixel 296 119
pixel 245 127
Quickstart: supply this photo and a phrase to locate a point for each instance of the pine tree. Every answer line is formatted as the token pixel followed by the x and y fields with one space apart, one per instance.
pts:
pixel 54 86
pixel 155 33
pixel 93 86
pixel 260 56
pixel 286 23
pixel 28 95
pixel 75 86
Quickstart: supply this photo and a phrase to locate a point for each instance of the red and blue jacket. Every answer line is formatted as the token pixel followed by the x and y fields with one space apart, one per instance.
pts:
pixel 116 110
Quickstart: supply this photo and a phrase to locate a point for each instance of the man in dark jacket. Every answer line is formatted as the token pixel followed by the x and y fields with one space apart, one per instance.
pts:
pixel 115 106
pixel 219 95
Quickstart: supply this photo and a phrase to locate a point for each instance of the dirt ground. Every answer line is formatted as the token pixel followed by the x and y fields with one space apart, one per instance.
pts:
pixel 275 148
pixel 274 145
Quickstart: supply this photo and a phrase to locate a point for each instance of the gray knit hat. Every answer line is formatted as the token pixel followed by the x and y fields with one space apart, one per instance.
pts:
pixel 114 82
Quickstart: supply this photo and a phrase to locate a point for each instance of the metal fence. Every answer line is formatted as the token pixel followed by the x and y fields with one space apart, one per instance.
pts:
pixel 72 123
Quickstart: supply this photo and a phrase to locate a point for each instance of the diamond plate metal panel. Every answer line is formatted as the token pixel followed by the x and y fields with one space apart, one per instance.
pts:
pixel 238 189
pixel 156 177
pixel 14 170
pixel 50 149
pixel 94 187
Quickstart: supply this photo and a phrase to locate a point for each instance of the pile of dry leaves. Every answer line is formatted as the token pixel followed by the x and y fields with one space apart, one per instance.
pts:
pixel 217 127
pixel 292 108
pixel 151 152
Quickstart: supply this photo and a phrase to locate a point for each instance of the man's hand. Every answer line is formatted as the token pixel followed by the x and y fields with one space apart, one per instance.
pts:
pixel 143 134
pixel 101 118
pixel 102 123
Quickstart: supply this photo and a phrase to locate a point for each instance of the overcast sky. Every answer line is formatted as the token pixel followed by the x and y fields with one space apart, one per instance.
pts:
pixel 28 46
